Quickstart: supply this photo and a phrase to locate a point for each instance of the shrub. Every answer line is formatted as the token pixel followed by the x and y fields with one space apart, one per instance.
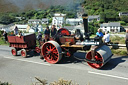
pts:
pixel 5 83
pixel 117 39
pixel 119 51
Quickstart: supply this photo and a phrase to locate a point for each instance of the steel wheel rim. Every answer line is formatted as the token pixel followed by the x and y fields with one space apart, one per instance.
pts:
pixel 97 57
pixel 50 53
pixel 13 52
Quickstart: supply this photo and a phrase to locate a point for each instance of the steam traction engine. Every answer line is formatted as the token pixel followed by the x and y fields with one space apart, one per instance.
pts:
pixel 64 44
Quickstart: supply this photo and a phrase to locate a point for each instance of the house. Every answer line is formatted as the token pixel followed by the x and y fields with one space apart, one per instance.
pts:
pixel 93 17
pixel 7 28
pixel 45 21
pixel 74 22
pixel 123 14
pixel 36 28
pixel 34 21
pixel 111 27
pixel 58 19
pixel 22 27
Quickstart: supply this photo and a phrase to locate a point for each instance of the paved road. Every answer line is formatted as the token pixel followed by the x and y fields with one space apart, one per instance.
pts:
pixel 21 71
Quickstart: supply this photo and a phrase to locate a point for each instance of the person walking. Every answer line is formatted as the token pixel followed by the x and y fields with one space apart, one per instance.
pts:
pixel 126 40
pixel 5 36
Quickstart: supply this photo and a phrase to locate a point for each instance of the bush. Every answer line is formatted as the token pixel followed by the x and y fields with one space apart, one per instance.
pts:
pixel 1 33
pixel 119 51
pixel 117 39
pixel 5 83
pixel 122 23
pixel 59 82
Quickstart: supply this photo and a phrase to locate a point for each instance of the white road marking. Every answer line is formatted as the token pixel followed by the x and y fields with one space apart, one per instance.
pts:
pixel 27 61
pixel 108 75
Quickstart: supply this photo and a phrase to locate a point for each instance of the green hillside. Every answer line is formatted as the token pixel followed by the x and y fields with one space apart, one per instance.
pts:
pixel 108 9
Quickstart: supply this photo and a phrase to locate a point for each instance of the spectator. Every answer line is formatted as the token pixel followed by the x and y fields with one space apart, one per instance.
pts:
pixel 106 38
pixel 99 36
pixel 53 31
pixel 19 34
pixel 126 40
pixel 12 34
pixel 5 36
pixel 16 30
pixel 78 35
pixel 39 37
pixel 47 34
pixel 99 33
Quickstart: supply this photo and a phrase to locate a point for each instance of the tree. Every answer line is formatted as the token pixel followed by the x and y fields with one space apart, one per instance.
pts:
pixel 124 18
pixel 6 19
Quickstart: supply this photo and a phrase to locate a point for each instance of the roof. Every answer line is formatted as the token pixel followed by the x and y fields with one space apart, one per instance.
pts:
pixel 93 16
pixel 45 19
pixel 22 26
pixel 34 20
pixel 59 14
pixel 111 24
pixel 74 19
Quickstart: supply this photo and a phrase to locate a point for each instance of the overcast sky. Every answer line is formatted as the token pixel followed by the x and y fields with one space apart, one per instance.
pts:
pixel 34 4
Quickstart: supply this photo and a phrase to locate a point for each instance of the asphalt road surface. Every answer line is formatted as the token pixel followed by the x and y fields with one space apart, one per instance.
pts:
pixel 22 71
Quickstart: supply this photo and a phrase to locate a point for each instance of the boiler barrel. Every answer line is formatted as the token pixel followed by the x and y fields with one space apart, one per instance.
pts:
pixel 103 54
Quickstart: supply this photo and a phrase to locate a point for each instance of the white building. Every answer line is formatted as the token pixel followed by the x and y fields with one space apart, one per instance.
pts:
pixel 34 21
pixel 36 28
pixel 73 21
pixel 45 21
pixel 111 27
pixel 93 17
pixel 7 28
pixel 123 14
pixel 58 19
pixel 22 27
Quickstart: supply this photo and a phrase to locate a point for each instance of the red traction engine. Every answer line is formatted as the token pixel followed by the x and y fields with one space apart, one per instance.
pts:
pixel 65 44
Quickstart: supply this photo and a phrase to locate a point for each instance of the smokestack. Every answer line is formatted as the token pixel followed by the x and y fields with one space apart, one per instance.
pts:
pixel 85 22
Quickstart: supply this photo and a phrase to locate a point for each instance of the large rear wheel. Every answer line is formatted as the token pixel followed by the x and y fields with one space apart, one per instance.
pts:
pixel 51 52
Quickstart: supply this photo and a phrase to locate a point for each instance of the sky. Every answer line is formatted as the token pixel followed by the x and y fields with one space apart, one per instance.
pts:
pixel 20 5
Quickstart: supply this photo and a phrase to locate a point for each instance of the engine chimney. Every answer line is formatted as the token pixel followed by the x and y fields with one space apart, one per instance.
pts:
pixel 85 22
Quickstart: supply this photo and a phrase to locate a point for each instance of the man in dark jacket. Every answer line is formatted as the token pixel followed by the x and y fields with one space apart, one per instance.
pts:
pixel 53 31
pixel 46 34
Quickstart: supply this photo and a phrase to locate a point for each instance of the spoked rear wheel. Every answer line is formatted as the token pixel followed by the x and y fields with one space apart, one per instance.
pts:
pixel 98 57
pixel 51 52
